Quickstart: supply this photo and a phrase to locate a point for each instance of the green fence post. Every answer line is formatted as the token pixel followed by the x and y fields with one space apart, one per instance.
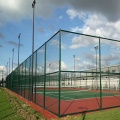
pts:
pixel 44 75
pixel 59 73
pixel 100 74
pixel 119 78
pixel 25 80
pixel 35 79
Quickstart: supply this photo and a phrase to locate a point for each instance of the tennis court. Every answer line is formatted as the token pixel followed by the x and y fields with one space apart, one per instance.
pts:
pixel 74 99
pixel 71 93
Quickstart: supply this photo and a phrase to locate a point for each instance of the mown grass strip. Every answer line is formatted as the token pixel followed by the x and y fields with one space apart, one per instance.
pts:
pixel 7 111
pixel 110 114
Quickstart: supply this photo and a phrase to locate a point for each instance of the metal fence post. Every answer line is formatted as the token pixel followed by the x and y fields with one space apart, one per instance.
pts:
pixel 44 74
pixel 100 74
pixel 59 73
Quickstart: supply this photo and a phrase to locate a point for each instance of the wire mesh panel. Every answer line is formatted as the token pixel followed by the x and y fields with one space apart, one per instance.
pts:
pixel 27 79
pixel 15 81
pixel 51 83
pixel 40 77
pixel 34 75
pixel 23 79
pixel 79 77
pixel 110 72
pixel 20 79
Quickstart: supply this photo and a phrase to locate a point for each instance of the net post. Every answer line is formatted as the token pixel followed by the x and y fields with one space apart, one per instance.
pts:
pixel 59 79
pixel 100 74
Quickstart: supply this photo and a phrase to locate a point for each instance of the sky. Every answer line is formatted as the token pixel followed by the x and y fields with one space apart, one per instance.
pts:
pixel 94 17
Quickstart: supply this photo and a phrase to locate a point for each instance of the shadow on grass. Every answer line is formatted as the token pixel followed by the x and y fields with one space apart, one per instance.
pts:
pixel 2 101
pixel 5 109
pixel 83 115
pixel 7 116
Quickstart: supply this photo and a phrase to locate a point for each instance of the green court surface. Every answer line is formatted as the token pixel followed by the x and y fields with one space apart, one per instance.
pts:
pixel 72 95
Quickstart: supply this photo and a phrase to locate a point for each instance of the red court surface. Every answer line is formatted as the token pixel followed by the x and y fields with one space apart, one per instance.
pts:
pixel 77 106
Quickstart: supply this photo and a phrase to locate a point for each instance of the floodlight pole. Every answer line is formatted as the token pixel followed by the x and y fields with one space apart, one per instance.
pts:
pixel 18 63
pixel 9 65
pixel 96 47
pixel 12 58
pixel 74 62
pixel 42 71
pixel 74 68
pixel 7 68
pixel 18 47
pixel 2 74
pixel 33 6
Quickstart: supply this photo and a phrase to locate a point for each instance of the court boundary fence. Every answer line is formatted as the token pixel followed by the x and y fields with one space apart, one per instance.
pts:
pixel 50 54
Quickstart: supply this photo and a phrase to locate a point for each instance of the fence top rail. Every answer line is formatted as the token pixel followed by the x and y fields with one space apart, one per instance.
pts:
pixel 116 73
pixel 90 35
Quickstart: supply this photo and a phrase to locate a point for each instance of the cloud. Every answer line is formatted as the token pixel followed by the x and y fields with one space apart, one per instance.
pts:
pixel 109 59
pixel 96 25
pixel 56 43
pixel 85 65
pixel 54 66
pixel 77 59
pixel 14 43
pixel 41 30
pixel 2 68
pixel 2 36
pixel 76 29
pixel 13 10
pixel 41 51
pixel 82 41
pixel 73 13
pixel 52 28
pixel 108 8
pixel 91 57
pixel 60 17
pixel 1 46
pixel 106 60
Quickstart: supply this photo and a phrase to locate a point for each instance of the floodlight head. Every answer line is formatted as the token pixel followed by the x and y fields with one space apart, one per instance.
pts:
pixel 96 47
pixel 19 36
pixel 13 49
pixel 74 56
pixel 33 4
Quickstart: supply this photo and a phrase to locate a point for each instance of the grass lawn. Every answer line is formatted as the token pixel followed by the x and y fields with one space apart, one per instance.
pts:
pixel 110 114
pixel 7 111
pixel 12 108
